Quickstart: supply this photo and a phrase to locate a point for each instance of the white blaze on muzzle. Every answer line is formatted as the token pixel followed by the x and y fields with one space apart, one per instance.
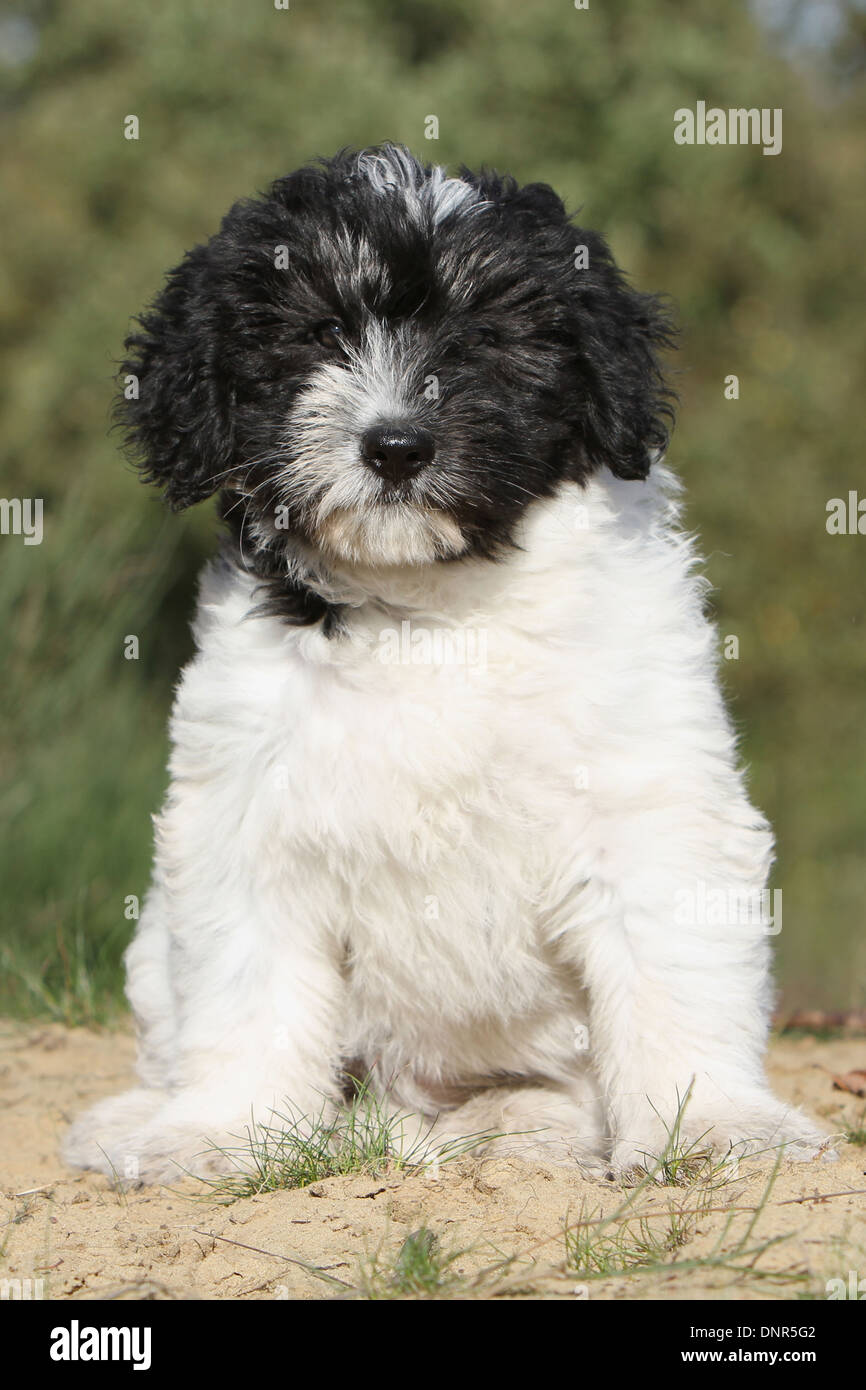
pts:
pixel 380 380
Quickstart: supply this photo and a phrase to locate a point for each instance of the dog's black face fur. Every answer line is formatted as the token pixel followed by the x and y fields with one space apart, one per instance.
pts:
pixel 377 366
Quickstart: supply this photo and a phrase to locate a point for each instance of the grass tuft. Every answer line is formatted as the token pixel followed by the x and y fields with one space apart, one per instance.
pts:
pixel 633 1241
pixel 856 1132
pixel 295 1150
pixel 422 1269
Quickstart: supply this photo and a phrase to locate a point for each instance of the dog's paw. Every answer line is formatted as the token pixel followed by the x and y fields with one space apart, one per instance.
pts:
pixel 777 1130
pixel 758 1127
pixel 764 1128
pixel 128 1138
pixel 105 1139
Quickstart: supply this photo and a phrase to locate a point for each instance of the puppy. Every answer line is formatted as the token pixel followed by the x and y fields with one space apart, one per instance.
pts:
pixel 452 782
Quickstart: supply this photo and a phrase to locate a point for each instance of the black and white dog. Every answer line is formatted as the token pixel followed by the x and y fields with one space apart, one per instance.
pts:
pixel 452 779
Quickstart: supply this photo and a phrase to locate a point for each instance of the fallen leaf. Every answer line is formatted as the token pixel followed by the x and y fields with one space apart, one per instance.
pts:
pixel 821 1020
pixel 852 1081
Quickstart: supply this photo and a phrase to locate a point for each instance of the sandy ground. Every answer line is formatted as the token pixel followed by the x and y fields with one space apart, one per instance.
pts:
pixel 502 1220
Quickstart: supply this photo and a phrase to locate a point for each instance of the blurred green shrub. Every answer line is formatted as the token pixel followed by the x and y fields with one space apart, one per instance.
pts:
pixel 763 256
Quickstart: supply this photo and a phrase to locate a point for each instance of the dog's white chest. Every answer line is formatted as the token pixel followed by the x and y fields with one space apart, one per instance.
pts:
pixel 405 804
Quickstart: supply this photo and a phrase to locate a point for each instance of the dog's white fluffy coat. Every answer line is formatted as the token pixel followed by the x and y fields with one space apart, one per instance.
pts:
pixel 463 874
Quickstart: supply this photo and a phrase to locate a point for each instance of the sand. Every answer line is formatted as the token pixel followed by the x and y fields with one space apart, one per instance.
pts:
pixel 499 1224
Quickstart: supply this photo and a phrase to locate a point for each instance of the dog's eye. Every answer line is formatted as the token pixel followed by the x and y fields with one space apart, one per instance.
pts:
pixel 480 337
pixel 330 335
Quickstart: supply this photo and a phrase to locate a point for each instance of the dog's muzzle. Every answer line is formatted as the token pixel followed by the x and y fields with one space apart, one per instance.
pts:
pixel 397 453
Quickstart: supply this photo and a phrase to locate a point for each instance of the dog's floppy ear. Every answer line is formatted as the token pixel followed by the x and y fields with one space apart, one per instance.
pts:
pixel 622 405
pixel 626 410
pixel 175 402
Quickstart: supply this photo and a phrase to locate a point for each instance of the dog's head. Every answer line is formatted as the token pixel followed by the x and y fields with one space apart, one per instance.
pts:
pixel 390 365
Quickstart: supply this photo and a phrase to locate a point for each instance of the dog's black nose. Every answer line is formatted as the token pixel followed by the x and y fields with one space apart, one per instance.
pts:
pixel 397 452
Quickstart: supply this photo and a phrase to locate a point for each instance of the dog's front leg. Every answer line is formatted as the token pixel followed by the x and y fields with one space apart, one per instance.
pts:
pixel 680 995
pixel 236 991
pixel 255 1044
